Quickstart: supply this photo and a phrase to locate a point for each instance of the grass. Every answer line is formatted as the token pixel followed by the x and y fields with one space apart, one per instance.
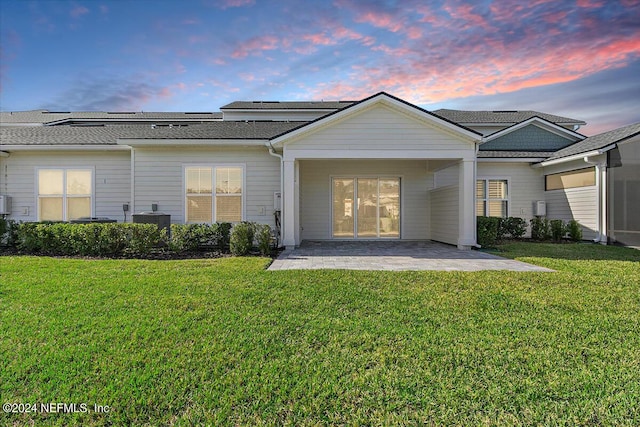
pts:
pixel 223 342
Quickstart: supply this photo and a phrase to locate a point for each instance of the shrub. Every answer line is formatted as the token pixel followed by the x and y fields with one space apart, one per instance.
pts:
pixel 557 229
pixel 223 235
pixel 264 238
pixel 241 240
pixel 487 230
pixel 513 226
pixel 540 229
pixel 143 238
pixel 186 237
pixel 8 231
pixel 575 230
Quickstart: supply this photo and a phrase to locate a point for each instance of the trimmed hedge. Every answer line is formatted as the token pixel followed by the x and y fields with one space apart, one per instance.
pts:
pixel 98 239
pixel 242 238
pixel 193 237
pixel 491 230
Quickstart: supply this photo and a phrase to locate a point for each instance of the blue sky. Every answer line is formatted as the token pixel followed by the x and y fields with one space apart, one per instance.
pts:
pixel 575 58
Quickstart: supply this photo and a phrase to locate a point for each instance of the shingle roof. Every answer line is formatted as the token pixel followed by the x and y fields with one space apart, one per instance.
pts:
pixel 44 116
pixel 599 141
pixel 514 154
pixel 501 117
pixel 109 134
pixel 287 105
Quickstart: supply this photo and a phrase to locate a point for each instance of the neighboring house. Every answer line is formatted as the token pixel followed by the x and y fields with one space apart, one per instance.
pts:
pixel 379 168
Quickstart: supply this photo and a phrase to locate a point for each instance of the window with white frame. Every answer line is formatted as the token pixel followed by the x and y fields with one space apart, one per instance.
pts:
pixel 64 194
pixel 492 197
pixel 214 194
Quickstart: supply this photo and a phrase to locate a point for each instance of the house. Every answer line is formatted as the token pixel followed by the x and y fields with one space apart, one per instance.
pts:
pixel 377 168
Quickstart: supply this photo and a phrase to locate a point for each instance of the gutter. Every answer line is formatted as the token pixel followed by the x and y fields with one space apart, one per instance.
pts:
pixel 64 147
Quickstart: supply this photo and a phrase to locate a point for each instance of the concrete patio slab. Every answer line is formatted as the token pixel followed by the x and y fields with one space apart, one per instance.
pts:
pixel 392 256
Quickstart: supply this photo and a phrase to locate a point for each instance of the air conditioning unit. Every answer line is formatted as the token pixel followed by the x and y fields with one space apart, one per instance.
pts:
pixel 540 208
pixel 5 204
pixel 277 201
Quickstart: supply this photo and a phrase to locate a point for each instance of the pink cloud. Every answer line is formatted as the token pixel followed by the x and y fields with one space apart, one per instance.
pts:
pixel 413 77
pixel 255 46
pixel 589 4
pixel 78 11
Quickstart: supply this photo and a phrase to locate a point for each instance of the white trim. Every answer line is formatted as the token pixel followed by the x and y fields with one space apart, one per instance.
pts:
pixel 574 157
pixel 213 167
pixel 64 195
pixel 66 147
pixel 183 142
pixel 542 124
pixel 301 154
pixel 510 159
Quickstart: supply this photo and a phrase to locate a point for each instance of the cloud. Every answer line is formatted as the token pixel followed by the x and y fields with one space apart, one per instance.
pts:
pixel 108 94
pixel 226 4
pixel 255 46
pixel 78 11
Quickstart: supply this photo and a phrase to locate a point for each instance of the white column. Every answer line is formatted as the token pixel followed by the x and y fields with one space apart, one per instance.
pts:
pixel 289 205
pixel 466 205
pixel 601 170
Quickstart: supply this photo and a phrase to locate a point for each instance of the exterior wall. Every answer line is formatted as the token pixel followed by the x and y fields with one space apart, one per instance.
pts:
pixel 112 179
pixel 444 214
pixel 315 193
pixel 580 204
pixel 159 177
pixel 381 128
pixel 526 185
pixel 447 176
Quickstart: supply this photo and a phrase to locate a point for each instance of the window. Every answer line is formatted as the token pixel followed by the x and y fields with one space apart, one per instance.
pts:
pixel 64 194
pixel 578 178
pixel 214 194
pixel 492 197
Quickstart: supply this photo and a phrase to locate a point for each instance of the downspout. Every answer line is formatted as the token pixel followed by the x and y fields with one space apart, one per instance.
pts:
pixel 133 182
pixel 273 152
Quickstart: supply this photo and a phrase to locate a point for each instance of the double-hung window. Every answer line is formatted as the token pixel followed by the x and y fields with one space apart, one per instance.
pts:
pixel 492 197
pixel 214 194
pixel 64 194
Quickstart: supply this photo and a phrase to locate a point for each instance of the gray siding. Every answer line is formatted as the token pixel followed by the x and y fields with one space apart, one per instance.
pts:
pixel 159 177
pixel 580 204
pixel 526 185
pixel 444 214
pixel 112 179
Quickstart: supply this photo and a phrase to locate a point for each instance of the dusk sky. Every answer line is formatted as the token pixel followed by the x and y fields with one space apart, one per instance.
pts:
pixel 579 59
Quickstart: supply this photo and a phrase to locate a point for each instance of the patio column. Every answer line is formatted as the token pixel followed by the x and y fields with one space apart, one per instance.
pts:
pixel 290 205
pixel 466 205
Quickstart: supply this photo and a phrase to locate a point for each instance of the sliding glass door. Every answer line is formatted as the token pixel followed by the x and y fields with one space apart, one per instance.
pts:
pixel 366 208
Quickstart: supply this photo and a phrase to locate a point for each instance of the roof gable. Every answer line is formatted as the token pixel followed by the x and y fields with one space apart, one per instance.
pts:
pixel 535 134
pixel 384 99
pixel 601 142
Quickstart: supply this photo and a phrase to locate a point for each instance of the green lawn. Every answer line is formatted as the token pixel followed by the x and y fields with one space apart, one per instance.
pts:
pixel 224 342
